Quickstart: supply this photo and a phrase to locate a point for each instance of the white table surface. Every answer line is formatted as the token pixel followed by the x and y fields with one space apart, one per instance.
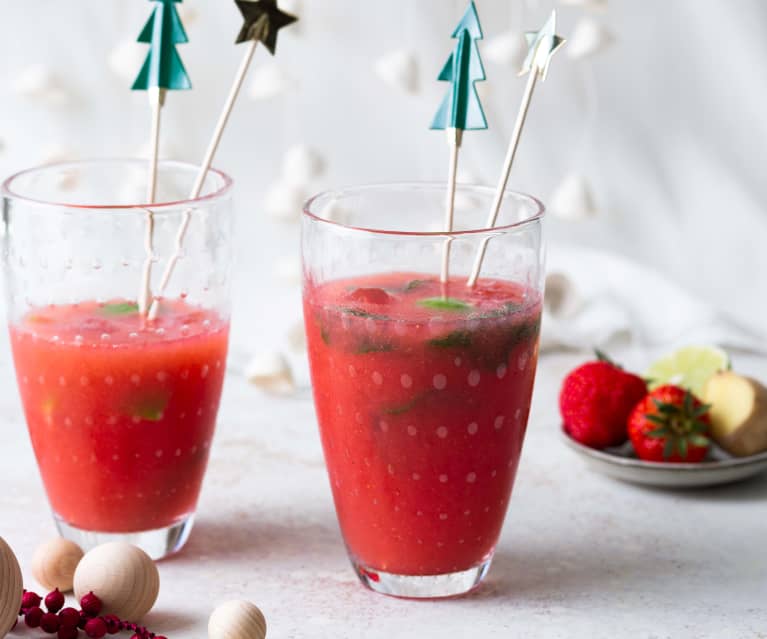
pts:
pixel 581 556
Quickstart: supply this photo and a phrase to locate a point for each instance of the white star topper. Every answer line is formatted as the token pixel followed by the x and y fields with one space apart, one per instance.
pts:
pixel 542 45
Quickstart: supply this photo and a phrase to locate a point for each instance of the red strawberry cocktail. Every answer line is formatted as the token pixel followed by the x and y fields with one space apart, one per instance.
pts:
pixel 422 389
pixel 422 394
pixel 121 414
pixel 120 405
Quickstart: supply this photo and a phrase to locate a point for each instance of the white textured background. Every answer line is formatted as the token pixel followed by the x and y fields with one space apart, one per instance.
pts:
pixel 667 124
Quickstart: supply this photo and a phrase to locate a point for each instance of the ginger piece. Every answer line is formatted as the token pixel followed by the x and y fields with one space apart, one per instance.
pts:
pixel 738 413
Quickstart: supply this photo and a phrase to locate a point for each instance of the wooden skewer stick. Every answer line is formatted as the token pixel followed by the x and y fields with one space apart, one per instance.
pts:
pixel 454 137
pixel 210 154
pixel 505 173
pixel 156 100
pixel 542 45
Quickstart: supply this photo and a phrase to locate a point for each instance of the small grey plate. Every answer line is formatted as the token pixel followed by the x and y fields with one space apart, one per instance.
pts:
pixel 622 463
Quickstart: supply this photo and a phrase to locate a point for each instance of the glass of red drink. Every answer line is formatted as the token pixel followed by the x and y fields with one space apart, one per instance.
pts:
pixel 121 409
pixel 422 389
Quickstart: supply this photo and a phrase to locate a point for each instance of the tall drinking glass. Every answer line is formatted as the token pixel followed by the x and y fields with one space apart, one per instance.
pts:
pixel 422 389
pixel 121 409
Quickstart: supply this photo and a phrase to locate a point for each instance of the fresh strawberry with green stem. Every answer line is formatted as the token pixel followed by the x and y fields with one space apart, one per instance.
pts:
pixel 670 425
pixel 596 400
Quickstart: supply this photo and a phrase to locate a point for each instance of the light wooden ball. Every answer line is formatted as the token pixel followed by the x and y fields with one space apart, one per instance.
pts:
pixel 237 620
pixel 10 588
pixel 54 563
pixel 122 576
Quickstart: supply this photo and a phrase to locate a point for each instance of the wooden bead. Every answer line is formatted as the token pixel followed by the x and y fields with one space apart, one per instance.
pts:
pixel 54 563
pixel 10 588
pixel 122 576
pixel 237 620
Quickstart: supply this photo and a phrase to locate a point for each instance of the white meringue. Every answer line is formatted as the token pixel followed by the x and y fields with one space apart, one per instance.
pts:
pixel 302 164
pixel 334 211
pixel 126 58
pixel 588 38
pixel 561 299
pixel 285 201
pixel 57 153
pixel 508 49
pixel 189 14
pixel 297 337
pixel 269 80
pixel 68 179
pixel 39 83
pixel 294 8
pixel 573 199
pixel 598 5
pixel 399 70
pixel 271 372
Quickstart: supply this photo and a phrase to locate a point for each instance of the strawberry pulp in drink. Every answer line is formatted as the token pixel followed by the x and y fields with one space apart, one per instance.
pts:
pixel 120 414
pixel 422 394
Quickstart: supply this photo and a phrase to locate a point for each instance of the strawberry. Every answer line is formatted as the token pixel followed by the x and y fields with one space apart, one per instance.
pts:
pixel 596 400
pixel 369 296
pixel 670 425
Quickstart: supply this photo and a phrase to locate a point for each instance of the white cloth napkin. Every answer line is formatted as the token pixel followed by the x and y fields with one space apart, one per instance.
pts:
pixel 600 299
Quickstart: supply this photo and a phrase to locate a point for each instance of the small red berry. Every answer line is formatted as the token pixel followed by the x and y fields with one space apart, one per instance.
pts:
pixel 95 628
pixel 137 636
pixel 49 622
pixel 69 618
pixel 90 604
pixel 113 623
pixel 83 620
pixel 30 600
pixel 33 616
pixel 54 601
pixel 68 632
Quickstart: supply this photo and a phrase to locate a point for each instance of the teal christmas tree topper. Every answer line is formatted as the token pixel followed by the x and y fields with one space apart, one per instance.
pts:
pixel 461 108
pixel 163 68
pixel 263 20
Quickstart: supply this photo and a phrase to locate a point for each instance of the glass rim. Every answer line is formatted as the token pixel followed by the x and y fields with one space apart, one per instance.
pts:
pixel 7 191
pixel 536 218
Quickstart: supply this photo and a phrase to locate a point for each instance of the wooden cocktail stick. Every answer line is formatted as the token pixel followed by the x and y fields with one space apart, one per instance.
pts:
pixel 541 47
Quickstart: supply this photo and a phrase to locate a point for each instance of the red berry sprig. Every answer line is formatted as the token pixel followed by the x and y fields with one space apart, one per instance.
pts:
pixel 66 623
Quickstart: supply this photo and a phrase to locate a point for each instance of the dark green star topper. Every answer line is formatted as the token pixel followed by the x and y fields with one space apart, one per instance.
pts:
pixel 263 19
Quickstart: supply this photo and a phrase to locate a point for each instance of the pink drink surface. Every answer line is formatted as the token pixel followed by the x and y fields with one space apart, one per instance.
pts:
pixel 422 407
pixel 120 417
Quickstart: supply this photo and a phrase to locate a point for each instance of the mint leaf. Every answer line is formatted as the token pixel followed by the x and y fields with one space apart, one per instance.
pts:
pixel 507 309
pixel 402 408
pixel 121 308
pixel 150 408
pixel 369 346
pixel 357 312
pixel 452 340
pixel 414 284
pixel 444 304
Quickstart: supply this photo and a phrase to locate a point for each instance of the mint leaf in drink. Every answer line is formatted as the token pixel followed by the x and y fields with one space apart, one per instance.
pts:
pixel 120 308
pixel 402 408
pixel 358 312
pixel 445 304
pixel 412 285
pixel 150 408
pixel 452 340
pixel 370 346
pixel 507 309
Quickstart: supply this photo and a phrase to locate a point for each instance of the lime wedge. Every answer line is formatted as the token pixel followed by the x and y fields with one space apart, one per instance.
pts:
pixel 689 367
